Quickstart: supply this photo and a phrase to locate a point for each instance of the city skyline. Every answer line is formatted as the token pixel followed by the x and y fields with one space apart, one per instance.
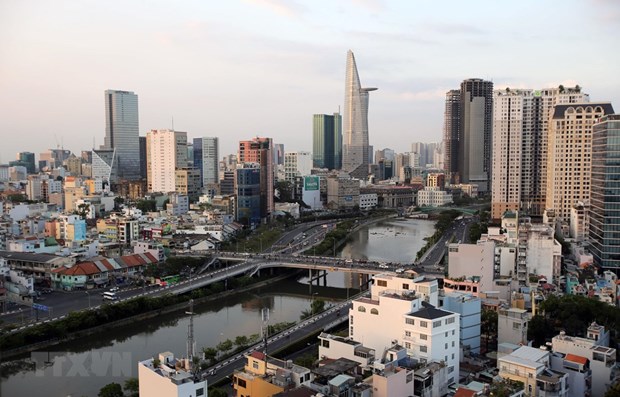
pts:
pixel 186 64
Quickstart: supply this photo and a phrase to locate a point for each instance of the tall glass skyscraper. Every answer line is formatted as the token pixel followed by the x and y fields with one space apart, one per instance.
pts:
pixel 327 141
pixel 605 193
pixel 355 149
pixel 121 131
pixel 206 159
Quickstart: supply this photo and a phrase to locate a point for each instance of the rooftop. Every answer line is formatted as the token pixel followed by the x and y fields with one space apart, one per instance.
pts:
pixel 429 312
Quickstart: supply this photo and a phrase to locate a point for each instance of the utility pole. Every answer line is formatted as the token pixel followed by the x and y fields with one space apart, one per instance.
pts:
pixel 191 345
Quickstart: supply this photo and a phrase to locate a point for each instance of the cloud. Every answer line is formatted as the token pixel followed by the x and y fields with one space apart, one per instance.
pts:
pixel 287 8
pixel 456 29
pixel 374 6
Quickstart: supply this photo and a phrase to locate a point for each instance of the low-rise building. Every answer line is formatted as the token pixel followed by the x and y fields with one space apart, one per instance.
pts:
pixel 168 377
pixel 433 196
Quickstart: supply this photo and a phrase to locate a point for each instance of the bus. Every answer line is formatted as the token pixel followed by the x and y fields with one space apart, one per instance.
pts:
pixel 169 280
pixel 110 296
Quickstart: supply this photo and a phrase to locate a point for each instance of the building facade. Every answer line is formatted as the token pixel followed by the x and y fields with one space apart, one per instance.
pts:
pixel 569 155
pixel 296 164
pixel 260 151
pixel 355 149
pixel 166 152
pixel 327 141
pixel 604 214
pixel 520 133
pixel 206 160
pixel 122 131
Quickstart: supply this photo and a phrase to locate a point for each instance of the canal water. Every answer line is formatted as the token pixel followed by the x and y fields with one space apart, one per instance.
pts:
pixel 82 367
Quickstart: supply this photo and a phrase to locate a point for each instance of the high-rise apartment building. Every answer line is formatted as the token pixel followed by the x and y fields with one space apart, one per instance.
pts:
pixel 605 193
pixel 296 164
pixel 327 141
pixel 520 131
pixel 356 152
pixel 476 125
pixel 451 134
pixel 121 131
pixel 278 153
pixel 569 155
pixel 248 180
pixel 206 159
pixel 166 151
pixel 27 160
pixel 260 150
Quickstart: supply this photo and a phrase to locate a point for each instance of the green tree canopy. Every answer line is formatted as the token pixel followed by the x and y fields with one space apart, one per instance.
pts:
pixel 111 390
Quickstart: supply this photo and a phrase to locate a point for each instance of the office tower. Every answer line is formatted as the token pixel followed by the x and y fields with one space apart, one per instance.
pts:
pixel 296 164
pixel 121 131
pixel 569 155
pixel 278 153
pixel 260 150
pixel 142 143
pixel 166 151
pixel 476 124
pixel 248 181
pixel 520 131
pixel 27 160
pixel 605 193
pixel 74 165
pixel 104 165
pixel 54 157
pixel 355 149
pixel 227 183
pixel 327 141
pixel 452 134
pixel 420 149
pixel 206 159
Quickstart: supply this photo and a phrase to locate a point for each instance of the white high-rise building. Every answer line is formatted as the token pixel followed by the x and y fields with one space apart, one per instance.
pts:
pixel 122 131
pixel 569 155
pixel 356 151
pixel 297 164
pixel 520 134
pixel 206 159
pixel 166 150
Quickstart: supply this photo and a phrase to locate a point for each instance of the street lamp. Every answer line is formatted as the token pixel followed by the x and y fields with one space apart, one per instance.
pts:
pixel 87 293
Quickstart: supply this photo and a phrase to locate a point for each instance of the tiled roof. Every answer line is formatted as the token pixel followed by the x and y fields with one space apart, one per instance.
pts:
pixel 576 359
pixel 258 355
pixel 464 392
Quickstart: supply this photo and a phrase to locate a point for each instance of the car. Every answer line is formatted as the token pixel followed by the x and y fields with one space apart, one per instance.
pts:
pixel 114 289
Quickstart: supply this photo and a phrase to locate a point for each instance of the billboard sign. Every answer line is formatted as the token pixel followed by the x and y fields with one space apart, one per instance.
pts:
pixel 311 183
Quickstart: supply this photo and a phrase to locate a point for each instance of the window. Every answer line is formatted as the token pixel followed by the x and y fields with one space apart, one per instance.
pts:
pixel 423 324
pixel 436 324
pixel 255 364
pixel 423 336
pixel 325 343
pixel 410 321
pixel 407 345
pixel 446 347
pixel 453 356
pixel 361 309
pixel 351 331
pixel 382 283
pixel 407 333
pixel 200 392
pixel 516 325
pixel 351 320
pixel 405 286
pixel 374 311
pixel 423 349
pixel 241 383
pixel 449 320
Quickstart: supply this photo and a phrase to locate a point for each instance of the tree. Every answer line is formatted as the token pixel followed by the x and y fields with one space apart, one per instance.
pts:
pixel 285 188
pixel 209 353
pixel 241 341
pixel 613 391
pixel 146 205
pixel 225 346
pixel 111 390
pixel 489 325
pixel 132 387
pixel 216 392
pixel 306 361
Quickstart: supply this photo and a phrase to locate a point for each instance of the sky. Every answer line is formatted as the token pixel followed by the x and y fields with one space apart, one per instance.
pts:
pixel 236 69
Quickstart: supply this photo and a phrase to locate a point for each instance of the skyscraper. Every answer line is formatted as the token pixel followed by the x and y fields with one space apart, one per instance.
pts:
pixel 520 132
pixel 206 159
pixel 452 134
pixel 476 125
pixel 569 155
pixel 121 131
pixel 327 141
pixel 605 193
pixel 166 151
pixel 260 150
pixel 355 150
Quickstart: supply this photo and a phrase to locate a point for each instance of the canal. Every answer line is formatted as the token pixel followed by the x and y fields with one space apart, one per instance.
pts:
pixel 82 367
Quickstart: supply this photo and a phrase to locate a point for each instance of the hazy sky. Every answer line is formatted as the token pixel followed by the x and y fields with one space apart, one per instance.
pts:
pixel 237 69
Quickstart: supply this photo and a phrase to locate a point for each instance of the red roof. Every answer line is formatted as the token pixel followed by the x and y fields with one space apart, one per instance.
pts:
pixel 258 355
pixel 463 392
pixel 576 359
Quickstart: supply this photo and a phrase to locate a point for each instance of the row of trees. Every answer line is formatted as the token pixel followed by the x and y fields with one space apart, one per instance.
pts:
pixel 573 314
pixel 443 223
